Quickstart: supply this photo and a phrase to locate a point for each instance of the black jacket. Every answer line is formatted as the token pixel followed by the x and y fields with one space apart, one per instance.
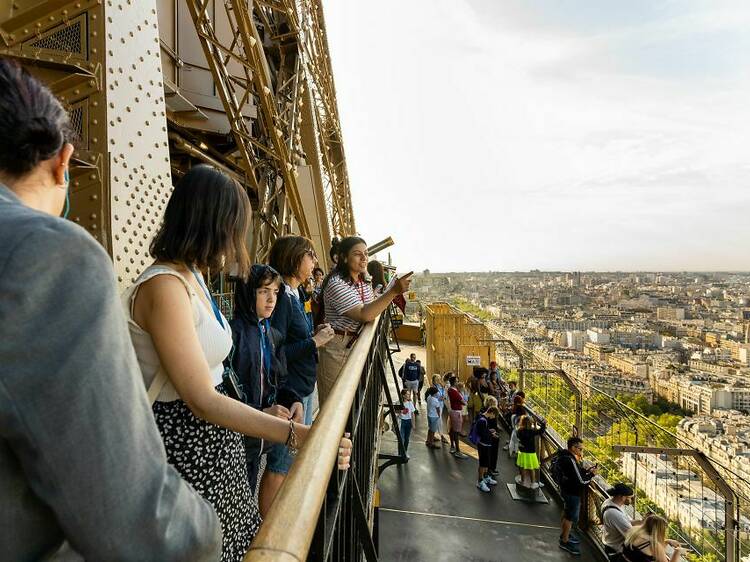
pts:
pixel 575 477
pixel 526 441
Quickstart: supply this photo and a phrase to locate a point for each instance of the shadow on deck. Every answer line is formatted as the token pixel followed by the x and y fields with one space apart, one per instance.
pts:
pixel 431 510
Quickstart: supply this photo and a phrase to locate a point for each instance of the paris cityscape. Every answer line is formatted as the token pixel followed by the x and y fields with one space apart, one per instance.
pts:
pixel 676 346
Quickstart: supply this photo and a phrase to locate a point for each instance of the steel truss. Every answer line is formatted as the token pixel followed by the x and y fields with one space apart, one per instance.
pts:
pixel 282 54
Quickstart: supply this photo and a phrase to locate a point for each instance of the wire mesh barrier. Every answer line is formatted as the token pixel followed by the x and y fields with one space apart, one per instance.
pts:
pixel 322 513
pixel 706 505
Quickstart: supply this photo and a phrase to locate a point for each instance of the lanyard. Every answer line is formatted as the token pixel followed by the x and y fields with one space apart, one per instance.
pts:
pixel 215 308
pixel 361 291
pixel 265 342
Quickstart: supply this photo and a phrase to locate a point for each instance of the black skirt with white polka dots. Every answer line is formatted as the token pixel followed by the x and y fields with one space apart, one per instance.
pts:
pixel 212 460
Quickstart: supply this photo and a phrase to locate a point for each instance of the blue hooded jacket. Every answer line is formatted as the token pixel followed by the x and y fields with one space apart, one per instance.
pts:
pixel 247 337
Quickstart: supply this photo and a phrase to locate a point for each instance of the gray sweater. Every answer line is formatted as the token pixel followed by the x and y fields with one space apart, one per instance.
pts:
pixel 81 458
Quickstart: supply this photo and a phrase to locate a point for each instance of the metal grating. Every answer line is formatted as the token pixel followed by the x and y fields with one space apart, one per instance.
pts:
pixel 68 39
pixel 79 115
pixel 76 121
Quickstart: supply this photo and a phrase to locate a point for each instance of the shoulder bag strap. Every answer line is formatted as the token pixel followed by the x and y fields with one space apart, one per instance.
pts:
pixel 157 385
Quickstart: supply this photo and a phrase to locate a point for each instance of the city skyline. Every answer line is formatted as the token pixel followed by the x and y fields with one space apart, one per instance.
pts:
pixel 503 136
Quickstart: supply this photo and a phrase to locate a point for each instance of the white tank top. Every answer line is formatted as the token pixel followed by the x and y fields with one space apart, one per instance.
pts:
pixel 215 340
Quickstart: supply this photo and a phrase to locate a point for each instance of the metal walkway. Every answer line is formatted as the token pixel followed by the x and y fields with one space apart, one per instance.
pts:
pixel 431 510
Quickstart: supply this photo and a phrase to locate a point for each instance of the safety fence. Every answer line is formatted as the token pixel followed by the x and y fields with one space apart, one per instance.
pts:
pixel 322 513
pixel 706 504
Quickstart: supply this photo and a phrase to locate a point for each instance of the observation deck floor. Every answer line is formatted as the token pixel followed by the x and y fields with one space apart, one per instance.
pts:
pixel 431 510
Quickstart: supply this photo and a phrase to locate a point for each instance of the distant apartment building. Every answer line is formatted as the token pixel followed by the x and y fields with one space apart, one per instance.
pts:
pixel 716 368
pixel 702 393
pixel 597 351
pixel 670 313
pixel 611 381
pixel 635 339
pixel 575 339
pixel 598 336
pixel 678 491
pixel 739 351
pixel 725 438
pixel 629 363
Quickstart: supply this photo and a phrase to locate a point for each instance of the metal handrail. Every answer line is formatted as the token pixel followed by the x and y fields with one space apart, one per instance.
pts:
pixel 288 529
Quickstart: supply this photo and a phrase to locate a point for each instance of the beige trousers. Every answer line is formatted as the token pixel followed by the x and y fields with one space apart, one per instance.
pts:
pixel 331 358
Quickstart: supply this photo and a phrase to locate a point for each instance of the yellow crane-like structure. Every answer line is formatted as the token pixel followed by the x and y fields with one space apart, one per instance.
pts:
pixel 155 86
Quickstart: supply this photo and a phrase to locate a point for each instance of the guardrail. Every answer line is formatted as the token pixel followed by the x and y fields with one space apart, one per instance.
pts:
pixel 706 506
pixel 322 513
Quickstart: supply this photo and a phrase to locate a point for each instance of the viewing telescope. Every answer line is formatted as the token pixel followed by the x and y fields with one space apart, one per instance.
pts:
pixel 380 246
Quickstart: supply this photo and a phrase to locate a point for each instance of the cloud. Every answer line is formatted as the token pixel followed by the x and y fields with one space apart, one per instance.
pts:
pixel 492 135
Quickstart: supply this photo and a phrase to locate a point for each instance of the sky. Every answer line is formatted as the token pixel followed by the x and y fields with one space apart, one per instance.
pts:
pixel 510 135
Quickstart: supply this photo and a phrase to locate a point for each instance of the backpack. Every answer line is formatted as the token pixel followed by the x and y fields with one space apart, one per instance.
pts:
pixel 474 432
pixel 607 508
pixel 556 468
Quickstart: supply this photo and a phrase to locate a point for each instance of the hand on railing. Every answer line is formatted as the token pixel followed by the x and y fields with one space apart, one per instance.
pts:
pixel 345 452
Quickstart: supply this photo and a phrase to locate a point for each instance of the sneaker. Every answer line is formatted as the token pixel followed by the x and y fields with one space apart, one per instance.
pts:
pixel 493 472
pixel 574 539
pixel 490 480
pixel 482 485
pixel 569 547
pixel 407 456
pixel 459 455
pixel 453 450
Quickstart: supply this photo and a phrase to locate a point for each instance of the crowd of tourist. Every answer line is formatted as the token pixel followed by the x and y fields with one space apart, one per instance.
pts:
pixel 132 426
pixel 486 398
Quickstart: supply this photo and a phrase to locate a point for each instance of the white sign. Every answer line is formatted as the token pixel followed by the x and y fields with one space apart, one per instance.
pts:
pixel 473 360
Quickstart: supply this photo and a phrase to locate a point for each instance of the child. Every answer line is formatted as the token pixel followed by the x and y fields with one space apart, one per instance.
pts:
pixel 490 401
pixel 456 404
pixel 437 384
pixel 465 409
pixel 516 412
pixel 484 447
pixel 259 368
pixel 527 460
pixel 407 416
pixel 433 417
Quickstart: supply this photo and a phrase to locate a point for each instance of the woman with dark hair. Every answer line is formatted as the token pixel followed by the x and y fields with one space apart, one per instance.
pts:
pixel 318 276
pixel 376 271
pixel 294 258
pixel 349 302
pixel 181 341
pixel 80 456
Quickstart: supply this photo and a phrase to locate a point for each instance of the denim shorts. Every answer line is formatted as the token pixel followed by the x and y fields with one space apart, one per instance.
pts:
pixel 571 507
pixel 278 459
pixel 433 424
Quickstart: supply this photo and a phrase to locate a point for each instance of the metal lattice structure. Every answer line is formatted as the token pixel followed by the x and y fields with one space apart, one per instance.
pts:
pixel 155 86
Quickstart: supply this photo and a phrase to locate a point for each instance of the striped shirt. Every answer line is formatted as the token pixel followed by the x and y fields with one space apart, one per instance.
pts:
pixel 340 297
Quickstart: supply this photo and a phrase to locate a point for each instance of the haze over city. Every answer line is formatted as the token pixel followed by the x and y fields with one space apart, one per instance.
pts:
pixel 498 135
